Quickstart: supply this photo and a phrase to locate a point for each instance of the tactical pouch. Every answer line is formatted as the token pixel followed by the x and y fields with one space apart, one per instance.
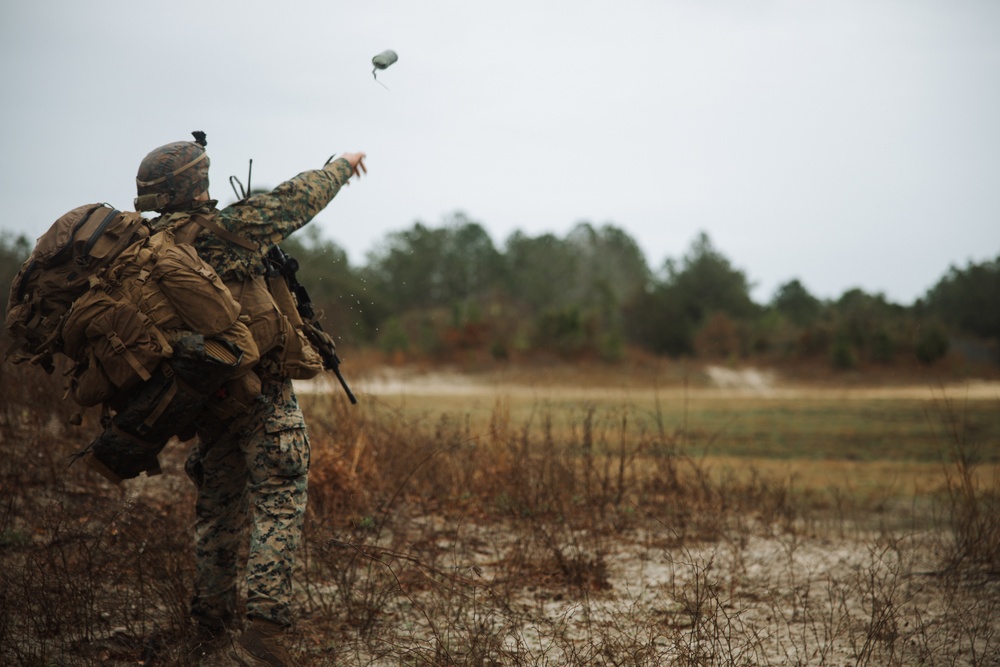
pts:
pixel 260 312
pixel 299 359
pixel 195 291
pixel 89 385
pixel 124 341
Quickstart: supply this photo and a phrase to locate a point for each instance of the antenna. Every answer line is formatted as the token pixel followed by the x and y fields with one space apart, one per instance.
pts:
pixel 242 193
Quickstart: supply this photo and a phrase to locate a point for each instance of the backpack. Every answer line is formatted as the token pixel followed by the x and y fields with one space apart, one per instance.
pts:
pixel 150 329
pixel 77 245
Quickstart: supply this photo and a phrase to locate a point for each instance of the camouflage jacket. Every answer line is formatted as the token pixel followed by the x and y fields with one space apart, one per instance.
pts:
pixel 265 219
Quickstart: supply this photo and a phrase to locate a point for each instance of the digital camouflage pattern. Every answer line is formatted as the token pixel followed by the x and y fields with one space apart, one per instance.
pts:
pixel 259 469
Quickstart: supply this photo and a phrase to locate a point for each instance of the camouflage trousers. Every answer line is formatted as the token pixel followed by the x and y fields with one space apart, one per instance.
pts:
pixel 257 472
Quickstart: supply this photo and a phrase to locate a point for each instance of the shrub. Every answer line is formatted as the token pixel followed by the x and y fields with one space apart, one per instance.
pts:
pixel 842 356
pixel 932 344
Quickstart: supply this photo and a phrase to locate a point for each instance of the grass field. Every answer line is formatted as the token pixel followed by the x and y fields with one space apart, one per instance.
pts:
pixel 865 441
pixel 826 428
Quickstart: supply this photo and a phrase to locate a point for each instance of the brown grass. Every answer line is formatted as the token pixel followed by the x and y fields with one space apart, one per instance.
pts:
pixel 531 531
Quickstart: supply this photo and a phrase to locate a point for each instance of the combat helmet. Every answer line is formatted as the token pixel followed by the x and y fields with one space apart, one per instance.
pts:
pixel 173 176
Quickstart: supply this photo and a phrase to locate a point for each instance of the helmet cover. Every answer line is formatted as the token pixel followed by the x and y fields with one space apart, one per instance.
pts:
pixel 172 177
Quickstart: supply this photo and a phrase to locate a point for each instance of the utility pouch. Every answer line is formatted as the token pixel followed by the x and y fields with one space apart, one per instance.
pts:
pixel 260 312
pixel 299 359
pixel 125 343
pixel 195 291
pixel 89 385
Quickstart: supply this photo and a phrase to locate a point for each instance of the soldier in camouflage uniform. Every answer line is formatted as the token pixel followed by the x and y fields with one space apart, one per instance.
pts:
pixel 255 464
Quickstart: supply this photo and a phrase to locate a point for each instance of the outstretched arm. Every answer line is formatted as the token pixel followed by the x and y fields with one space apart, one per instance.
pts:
pixel 267 219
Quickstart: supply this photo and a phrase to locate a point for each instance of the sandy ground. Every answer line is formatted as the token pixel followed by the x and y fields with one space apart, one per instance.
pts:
pixel 804 597
pixel 721 383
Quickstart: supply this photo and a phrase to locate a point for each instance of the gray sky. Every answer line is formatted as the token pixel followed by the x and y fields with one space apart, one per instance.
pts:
pixel 846 143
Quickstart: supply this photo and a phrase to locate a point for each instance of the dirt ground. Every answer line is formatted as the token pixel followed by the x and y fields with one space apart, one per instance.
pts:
pixel 711 382
pixel 815 597
pixel 833 591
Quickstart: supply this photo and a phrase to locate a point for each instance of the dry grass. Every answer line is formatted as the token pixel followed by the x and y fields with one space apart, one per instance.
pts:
pixel 534 531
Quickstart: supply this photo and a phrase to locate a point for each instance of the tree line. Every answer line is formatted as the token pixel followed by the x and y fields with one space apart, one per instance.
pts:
pixel 449 292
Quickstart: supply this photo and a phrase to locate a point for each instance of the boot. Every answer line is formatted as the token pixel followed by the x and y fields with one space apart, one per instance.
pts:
pixel 260 646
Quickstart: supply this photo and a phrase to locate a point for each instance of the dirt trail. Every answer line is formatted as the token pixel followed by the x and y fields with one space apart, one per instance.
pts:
pixel 722 383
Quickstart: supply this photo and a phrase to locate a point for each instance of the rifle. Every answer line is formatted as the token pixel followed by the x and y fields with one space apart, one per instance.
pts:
pixel 287 266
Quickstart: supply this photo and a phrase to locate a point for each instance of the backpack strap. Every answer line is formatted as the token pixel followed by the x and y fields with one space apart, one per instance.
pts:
pixel 185 233
pixel 119 347
pixel 164 403
pixel 154 331
pixel 211 225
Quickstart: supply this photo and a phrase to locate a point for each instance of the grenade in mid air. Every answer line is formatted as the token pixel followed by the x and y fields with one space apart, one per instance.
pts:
pixel 383 60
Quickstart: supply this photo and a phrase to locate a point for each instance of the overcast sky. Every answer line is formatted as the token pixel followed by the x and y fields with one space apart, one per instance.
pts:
pixel 845 143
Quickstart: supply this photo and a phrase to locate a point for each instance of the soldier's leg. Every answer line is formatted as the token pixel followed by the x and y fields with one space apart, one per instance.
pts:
pixel 220 475
pixel 277 456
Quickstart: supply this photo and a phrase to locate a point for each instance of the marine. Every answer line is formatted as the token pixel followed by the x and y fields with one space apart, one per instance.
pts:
pixel 254 466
